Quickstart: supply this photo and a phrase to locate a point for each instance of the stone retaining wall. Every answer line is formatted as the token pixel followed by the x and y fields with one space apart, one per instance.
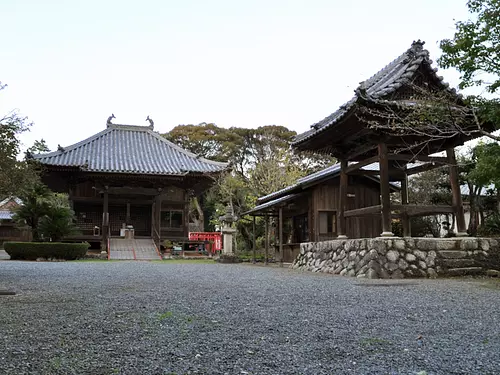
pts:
pixel 401 257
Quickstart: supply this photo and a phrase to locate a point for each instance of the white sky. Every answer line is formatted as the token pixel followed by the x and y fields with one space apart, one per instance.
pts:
pixel 70 64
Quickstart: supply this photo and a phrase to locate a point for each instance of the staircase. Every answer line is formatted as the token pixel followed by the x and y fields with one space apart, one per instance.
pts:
pixel 457 263
pixel 133 249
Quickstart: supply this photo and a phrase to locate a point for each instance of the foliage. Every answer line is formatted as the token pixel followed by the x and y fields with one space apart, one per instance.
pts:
pixel 491 226
pixel 13 173
pixel 261 160
pixel 47 250
pixel 38 147
pixel 48 214
pixel 475 48
pixel 58 220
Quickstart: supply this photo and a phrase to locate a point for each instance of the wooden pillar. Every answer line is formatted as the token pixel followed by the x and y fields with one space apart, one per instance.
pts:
pixel 341 221
pixel 127 219
pixel 254 245
pixel 267 239
pixel 186 216
pixel 280 234
pixel 157 222
pixel 384 191
pixel 456 194
pixel 404 201
pixel 105 219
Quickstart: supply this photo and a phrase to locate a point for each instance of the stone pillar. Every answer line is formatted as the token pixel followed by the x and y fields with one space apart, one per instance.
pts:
pixel 384 191
pixel 456 194
pixel 404 201
pixel 227 233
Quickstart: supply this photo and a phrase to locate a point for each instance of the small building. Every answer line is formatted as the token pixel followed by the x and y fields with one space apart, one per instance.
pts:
pixel 307 210
pixel 126 176
pixel 403 114
pixel 9 231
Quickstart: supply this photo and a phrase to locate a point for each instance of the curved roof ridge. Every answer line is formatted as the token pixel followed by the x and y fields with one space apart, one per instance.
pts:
pixel 385 82
pixel 130 149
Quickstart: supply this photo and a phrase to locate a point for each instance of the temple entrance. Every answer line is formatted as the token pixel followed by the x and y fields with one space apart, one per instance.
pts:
pixel 137 215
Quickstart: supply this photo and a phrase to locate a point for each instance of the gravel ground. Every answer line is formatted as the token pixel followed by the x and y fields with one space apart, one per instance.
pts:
pixel 171 318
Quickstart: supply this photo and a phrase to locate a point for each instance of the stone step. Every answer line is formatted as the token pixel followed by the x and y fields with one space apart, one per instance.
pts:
pixel 457 263
pixel 451 254
pixel 465 271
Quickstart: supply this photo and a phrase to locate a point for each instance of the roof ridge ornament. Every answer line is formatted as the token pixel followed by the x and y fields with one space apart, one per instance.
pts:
pixel 151 122
pixel 108 121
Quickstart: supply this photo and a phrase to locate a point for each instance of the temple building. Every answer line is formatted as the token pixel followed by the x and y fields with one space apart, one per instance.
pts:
pixel 129 177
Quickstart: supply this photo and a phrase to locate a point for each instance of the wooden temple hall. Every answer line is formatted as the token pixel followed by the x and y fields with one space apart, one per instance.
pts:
pixel 129 176
pixel 382 126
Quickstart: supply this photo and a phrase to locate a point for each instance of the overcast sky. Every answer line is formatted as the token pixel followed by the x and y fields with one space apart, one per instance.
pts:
pixel 70 64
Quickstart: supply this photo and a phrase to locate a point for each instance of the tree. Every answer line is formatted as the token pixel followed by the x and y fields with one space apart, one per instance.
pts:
pixel 474 51
pixel 475 48
pixel 58 220
pixel 48 214
pixel 36 202
pixel 13 173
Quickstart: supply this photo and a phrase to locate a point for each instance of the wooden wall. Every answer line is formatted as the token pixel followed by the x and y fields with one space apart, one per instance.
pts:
pixel 361 193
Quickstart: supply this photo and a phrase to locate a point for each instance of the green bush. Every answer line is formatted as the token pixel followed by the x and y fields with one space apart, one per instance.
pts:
pixel 490 227
pixel 47 250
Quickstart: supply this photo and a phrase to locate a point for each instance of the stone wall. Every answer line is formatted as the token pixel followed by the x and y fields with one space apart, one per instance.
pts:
pixel 401 257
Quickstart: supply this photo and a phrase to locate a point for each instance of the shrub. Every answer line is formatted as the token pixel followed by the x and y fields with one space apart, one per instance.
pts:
pixel 490 227
pixel 47 250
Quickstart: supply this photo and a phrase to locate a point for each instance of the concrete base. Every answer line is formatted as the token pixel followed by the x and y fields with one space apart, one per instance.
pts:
pixel 387 234
pixel 342 237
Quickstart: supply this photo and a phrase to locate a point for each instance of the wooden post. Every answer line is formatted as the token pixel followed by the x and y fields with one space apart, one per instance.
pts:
pixel 158 216
pixel 254 245
pixel 456 194
pixel 105 219
pixel 267 239
pixel 280 235
pixel 341 221
pixel 186 216
pixel 404 202
pixel 384 191
pixel 127 219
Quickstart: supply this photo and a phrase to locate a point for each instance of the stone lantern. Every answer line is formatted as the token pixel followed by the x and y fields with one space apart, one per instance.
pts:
pixel 227 230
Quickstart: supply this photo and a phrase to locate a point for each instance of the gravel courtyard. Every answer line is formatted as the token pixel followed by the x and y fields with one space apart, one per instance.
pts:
pixel 175 318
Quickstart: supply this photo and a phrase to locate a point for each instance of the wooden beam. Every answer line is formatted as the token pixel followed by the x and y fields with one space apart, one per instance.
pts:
pixel 404 201
pixel 422 168
pixel 363 163
pixel 385 192
pixel 365 211
pixel 422 210
pixel 456 194
pixel 344 180
pixel 413 158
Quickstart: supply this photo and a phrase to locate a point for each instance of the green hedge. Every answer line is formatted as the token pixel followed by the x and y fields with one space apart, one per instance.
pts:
pixel 47 250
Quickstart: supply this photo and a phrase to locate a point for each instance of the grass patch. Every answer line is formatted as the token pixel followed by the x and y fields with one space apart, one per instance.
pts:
pixel 374 341
pixel 493 284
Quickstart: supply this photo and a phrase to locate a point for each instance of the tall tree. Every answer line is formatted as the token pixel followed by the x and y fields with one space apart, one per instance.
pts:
pixel 13 172
pixel 474 50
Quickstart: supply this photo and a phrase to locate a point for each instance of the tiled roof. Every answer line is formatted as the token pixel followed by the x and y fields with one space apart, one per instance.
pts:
pixel 8 199
pixel 272 203
pixel 314 178
pixel 6 215
pixel 385 82
pixel 130 149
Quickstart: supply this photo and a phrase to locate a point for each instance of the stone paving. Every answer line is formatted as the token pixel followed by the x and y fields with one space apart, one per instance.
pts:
pixel 132 249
